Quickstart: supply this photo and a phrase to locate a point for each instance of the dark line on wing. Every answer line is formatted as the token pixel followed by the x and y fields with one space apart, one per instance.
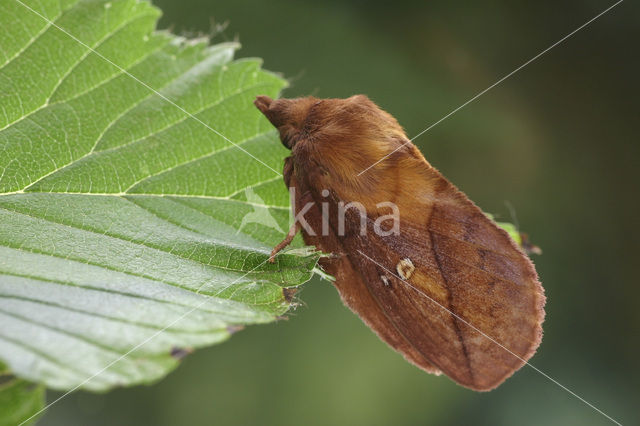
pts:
pixel 456 326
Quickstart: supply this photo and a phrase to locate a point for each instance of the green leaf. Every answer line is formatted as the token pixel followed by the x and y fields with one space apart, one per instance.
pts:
pixel 120 214
pixel 510 228
pixel 19 400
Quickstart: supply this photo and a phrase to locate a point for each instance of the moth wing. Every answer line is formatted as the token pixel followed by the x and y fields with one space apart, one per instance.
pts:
pixel 472 307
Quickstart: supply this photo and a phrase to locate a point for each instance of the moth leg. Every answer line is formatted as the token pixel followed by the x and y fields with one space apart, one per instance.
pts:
pixel 296 205
pixel 282 244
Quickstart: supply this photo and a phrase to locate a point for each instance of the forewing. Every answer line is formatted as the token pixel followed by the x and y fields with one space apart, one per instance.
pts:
pixel 473 306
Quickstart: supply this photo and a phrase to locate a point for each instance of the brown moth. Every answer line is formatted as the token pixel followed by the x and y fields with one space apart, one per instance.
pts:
pixel 449 289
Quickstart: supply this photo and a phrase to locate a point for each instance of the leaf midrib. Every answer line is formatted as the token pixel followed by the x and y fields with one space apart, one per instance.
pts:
pixel 249 250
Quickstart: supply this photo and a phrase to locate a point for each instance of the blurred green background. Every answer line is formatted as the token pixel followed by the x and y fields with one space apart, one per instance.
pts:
pixel 557 140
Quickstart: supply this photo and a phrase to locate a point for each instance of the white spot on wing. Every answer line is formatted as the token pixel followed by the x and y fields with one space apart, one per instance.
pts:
pixel 405 268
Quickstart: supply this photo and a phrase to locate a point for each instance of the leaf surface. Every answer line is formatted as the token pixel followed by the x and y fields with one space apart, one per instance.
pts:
pixel 121 210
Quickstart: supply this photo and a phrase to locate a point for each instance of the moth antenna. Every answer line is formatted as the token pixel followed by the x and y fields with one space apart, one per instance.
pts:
pixel 512 213
pixel 295 78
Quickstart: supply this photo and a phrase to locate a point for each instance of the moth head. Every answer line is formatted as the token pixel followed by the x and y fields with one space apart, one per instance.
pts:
pixel 287 115
pixel 339 121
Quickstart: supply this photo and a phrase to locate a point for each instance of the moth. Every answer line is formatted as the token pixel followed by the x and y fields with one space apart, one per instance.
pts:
pixel 419 262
